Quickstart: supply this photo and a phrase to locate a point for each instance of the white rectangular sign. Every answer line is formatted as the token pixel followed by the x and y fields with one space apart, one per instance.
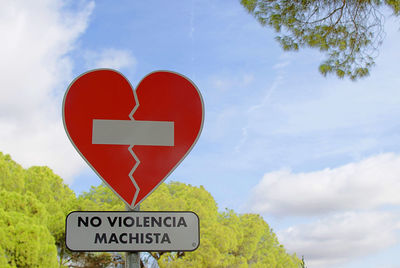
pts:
pixel 132 231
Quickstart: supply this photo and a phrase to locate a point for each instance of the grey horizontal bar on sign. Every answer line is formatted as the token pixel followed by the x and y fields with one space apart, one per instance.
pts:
pixel 132 132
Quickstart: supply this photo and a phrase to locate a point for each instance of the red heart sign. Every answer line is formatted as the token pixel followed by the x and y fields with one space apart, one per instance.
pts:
pixel 133 139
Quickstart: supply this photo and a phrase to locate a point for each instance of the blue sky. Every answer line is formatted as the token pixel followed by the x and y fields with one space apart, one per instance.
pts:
pixel 318 158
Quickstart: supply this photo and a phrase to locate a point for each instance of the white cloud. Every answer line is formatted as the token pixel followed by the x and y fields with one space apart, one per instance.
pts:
pixel 346 212
pixel 110 58
pixel 231 84
pixel 341 237
pixel 35 68
pixel 370 183
pixel 280 65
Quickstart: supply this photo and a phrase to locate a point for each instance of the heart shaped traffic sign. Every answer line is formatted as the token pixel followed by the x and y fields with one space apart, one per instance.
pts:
pixel 133 139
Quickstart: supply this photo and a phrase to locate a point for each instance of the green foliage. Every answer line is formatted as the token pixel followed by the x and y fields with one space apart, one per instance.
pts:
pixel 3 259
pixel 100 198
pixel 11 174
pixel 25 242
pixel 227 239
pixel 35 203
pixel 92 259
pixel 348 32
pixel 303 263
pixel 40 194
pixel 56 196
pixel 25 204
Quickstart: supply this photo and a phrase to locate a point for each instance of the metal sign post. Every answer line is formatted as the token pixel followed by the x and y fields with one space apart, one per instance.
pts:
pixel 132 259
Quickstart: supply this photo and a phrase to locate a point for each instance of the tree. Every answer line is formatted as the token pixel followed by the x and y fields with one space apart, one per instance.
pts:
pixel 25 240
pixel 41 190
pixel 303 263
pixel 100 198
pixel 11 174
pixel 35 202
pixel 227 239
pixel 90 260
pixel 25 243
pixel 56 196
pixel 349 32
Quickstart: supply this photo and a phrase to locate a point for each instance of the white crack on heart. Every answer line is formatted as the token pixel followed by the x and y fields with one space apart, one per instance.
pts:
pixel 130 149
